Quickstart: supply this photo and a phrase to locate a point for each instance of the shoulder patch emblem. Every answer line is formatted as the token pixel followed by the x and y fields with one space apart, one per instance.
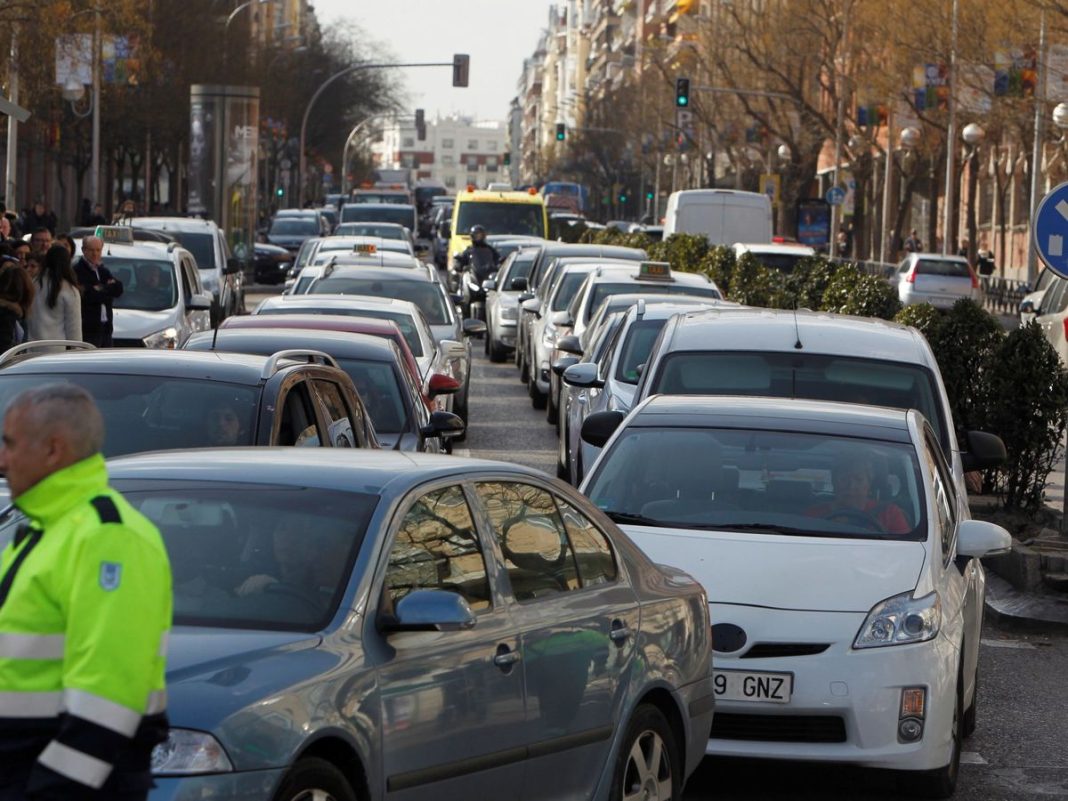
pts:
pixel 110 575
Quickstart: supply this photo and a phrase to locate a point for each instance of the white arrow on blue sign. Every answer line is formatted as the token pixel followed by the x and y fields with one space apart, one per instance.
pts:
pixel 836 196
pixel 1049 229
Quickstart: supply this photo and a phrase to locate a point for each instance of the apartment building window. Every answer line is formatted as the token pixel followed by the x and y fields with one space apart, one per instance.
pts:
pixel 450 181
pixel 472 180
pixel 491 147
pixel 491 164
pixel 448 160
pixel 408 141
pixel 472 144
pixel 447 144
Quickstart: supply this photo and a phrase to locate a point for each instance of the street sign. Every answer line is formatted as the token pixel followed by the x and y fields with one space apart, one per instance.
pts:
pixel 1049 229
pixel 835 196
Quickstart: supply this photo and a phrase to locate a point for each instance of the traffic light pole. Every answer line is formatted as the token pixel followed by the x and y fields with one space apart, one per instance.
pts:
pixel 302 162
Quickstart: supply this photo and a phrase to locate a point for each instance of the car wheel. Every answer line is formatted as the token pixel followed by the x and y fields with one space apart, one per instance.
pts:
pixel 552 411
pixel 524 374
pixel 648 766
pixel 486 340
pixel 497 353
pixel 315 779
pixel 537 400
pixel 942 782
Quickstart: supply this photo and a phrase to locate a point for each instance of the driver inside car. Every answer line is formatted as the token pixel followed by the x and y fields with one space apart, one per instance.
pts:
pixel 308 561
pixel 852 478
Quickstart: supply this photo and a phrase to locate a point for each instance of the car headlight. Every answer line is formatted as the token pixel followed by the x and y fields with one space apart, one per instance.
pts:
pixel 548 337
pixel 210 282
pixel 509 313
pixel 165 339
pixel 186 752
pixel 900 620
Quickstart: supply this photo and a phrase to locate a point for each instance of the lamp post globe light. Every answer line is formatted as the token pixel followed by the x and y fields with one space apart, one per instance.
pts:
pixel 973 134
pixel 1060 116
pixel 910 137
pixel 783 152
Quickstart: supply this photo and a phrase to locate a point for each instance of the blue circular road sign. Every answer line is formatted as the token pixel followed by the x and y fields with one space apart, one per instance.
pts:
pixel 835 196
pixel 1049 230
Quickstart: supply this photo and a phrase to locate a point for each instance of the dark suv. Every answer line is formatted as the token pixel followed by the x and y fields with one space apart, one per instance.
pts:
pixel 162 400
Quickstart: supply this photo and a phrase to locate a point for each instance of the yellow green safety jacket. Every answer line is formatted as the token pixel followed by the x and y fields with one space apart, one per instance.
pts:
pixel 85 609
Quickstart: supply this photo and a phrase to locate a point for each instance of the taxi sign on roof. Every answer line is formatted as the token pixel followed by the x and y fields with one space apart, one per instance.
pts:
pixel 655 271
pixel 115 234
pixel 366 249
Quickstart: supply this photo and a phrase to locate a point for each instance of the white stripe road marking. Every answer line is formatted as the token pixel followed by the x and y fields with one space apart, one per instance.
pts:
pixel 31 646
pixel 1019 644
pixel 102 711
pixel 972 758
pixel 76 765
pixel 1062 208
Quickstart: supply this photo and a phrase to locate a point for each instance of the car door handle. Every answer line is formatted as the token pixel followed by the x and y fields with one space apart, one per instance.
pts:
pixel 505 657
pixel 619 633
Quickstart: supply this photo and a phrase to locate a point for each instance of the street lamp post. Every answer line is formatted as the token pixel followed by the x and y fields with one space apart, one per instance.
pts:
pixel 226 27
pixel 910 138
pixel 973 136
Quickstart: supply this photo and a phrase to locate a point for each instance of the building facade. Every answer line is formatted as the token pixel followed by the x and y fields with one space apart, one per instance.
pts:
pixel 457 151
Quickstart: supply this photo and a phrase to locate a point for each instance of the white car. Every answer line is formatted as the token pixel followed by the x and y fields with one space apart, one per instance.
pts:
pixel 845 590
pixel 936 279
pixel 502 302
pixel 779 257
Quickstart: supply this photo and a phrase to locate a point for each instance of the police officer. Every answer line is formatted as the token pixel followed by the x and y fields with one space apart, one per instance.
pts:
pixel 481 259
pixel 85 608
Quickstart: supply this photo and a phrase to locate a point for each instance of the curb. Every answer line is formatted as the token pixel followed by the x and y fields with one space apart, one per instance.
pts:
pixel 1024 611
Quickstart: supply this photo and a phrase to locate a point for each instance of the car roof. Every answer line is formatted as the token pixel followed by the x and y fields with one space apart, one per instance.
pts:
pixel 228 367
pixel 774 414
pixel 335 301
pixel 785 249
pixel 576 249
pixel 353 324
pixel 656 309
pixel 937 257
pixel 341 344
pixel 376 224
pixel 378 273
pixel 380 258
pixel 344 469
pixel 625 273
pixel 626 300
pixel 378 206
pixel 150 252
pixel 174 224
pixel 741 328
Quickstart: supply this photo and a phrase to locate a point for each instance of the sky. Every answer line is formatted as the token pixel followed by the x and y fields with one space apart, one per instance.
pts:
pixel 497 34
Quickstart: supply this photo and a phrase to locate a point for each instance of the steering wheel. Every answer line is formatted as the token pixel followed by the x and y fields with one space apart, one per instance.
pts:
pixel 858 516
pixel 295 592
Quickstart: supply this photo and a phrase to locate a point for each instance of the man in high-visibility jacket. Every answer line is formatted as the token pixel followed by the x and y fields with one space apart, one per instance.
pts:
pixel 85 608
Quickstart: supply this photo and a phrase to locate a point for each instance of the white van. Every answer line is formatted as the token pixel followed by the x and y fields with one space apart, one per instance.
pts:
pixel 725 216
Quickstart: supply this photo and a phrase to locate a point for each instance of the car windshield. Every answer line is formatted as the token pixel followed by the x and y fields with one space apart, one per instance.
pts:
pixel 255 556
pixel 424 294
pixel 636 348
pixel 153 413
pixel 147 284
pixel 402 319
pixel 809 376
pixel 783 262
pixel 401 215
pixel 398 198
pixel 567 289
pixel 294 226
pixel 370 229
pixel 303 283
pixel 943 267
pixel 520 268
pixel 502 218
pixel 775 482
pixel 606 290
pixel 377 384
pixel 202 246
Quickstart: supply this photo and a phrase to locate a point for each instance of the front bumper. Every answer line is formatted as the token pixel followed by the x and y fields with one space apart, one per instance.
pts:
pixel 250 785
pixel 862 688
pixel 504 333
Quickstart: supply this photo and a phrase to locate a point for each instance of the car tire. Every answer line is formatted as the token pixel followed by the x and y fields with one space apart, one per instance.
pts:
pixel 521 360
pixel 537 399
pixel 315 778
pixel 942 782
pixel 552 411
pixel 648 737
pixel 486 340
pixel 497 353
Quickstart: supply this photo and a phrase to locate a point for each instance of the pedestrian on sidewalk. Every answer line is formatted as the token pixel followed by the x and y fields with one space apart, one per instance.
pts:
pixel 16 302
pixel 57 306
pixel 913 243
pixel 84 614
pixel 99 289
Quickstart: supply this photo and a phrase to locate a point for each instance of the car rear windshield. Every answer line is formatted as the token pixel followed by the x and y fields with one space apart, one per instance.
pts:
pixel 255 556
pixel 152 413
pixel 396 198
pixel 636 348
pixel 782 262
pixel 359 212
pixel 568 288
pixel 402 319
pixel 427 296
pixel 202 246
pixel 294 226
pixel 774 482
pixel 147 284
pixel 377 384
pixel 943 267
pixel 602 291
pixel 809 376
pixel 526 219
pixel 370 229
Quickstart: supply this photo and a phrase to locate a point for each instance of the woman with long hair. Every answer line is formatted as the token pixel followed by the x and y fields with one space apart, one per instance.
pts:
pixel 57 308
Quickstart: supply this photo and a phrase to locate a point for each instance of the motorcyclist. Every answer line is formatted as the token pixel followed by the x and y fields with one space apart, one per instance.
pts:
pixel 478 263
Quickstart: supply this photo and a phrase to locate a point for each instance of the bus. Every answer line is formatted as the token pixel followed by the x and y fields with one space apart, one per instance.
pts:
pixel 578 191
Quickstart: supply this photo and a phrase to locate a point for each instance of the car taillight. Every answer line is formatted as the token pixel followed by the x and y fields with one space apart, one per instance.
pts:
pixel 1066 327
pixel 975 278
pixel 911 277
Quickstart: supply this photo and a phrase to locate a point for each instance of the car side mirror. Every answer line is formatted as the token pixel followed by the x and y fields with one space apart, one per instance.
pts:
pixel 563 363
pixel 443 424
pixel 583 376
pixel 472 327
pixel 453 350
pixel 599 427
pixel 562 318
pixel 234 265
pixel 430 610
pixel 525 297
pixel 440 384
pixel 1028 307
pixel 569 344
pixel 489 285
pixel 984 451
pixel 518 284
pixel 533 306
pixel 201 301
pixel 978 538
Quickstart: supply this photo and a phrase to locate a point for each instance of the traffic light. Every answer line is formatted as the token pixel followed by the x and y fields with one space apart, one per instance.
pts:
pixel 279 191
pixel 507 159
pixel 420 125
pixel 682 92
pixel 622 197
pixel 461 69
pixel 648 195
pixel 561 132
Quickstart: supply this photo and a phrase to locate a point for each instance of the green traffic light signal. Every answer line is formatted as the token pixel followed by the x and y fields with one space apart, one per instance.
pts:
pixel 561 132
pixel 622 198
pixel 279 191
pixel 648 195
pixel 682 92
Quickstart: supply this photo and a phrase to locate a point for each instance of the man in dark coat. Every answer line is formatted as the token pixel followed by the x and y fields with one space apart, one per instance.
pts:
pixel 99 289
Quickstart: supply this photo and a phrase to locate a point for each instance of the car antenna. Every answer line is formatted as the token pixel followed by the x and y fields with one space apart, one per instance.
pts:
pixel 214 337
pixel 797 332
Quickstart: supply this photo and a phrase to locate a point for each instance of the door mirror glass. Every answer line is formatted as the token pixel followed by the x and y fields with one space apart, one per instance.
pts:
pixel 569 344
pixel 582 376
pixel 984 451
pixel 563 363
pixel 599 427
pixel 979 538
pixel 443 424
pixel 473 327
pixel 489 285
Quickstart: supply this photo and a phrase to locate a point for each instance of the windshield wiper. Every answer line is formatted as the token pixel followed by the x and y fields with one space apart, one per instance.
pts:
pixel 768 528
pixel 633 519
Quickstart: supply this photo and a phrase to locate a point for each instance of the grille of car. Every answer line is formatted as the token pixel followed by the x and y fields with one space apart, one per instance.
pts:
pixel 779 728
pixel 767 650
pixel 127 343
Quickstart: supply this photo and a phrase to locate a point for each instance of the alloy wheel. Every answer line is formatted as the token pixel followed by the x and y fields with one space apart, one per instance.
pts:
pixel 647 776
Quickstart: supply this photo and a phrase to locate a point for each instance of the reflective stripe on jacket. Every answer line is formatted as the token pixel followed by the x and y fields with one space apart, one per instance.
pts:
pixel 85 607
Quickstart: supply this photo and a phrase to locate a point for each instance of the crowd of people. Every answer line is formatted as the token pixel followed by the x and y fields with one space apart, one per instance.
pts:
pixel 45 292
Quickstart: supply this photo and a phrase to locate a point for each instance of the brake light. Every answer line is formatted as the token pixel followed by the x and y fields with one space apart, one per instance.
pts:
pixel 975 278
pixel 1066 327
pixel 911 277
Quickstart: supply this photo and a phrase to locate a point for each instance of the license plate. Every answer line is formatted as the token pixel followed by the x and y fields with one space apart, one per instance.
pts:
pixel 737 685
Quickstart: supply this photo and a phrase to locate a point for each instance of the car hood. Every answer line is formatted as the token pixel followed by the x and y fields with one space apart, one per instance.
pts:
pixel 135 324
pixel 787 572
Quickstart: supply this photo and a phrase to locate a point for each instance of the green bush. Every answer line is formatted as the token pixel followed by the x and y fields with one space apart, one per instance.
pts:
pixel 851 291
pixel 924 317
pixel 753 284
pixel 571 233
pixel 1028 391
pixel 718 264
pixel 683 251
pixel 806 285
